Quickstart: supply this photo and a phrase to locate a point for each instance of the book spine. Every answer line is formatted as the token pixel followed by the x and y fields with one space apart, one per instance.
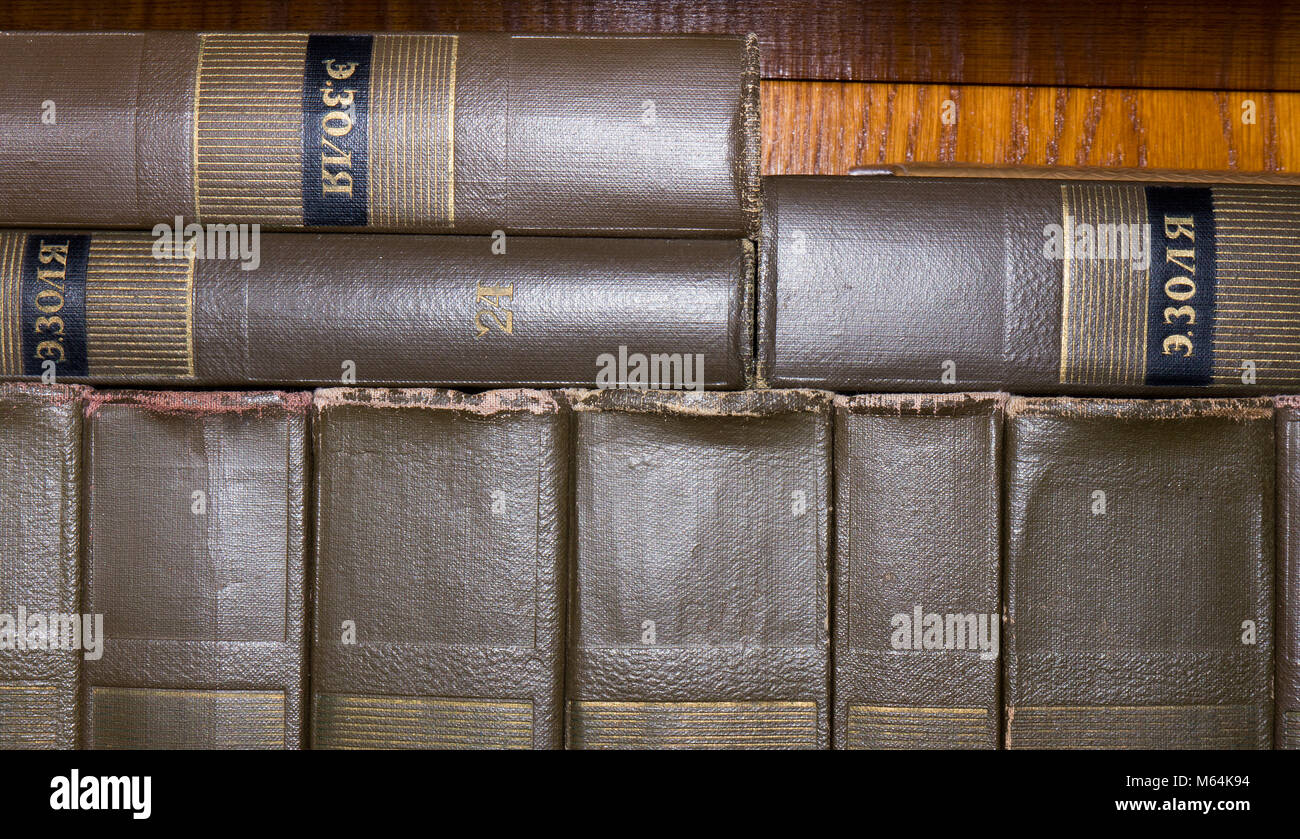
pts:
pixel 320 309
pixel 409 132
pixel 699 600
pixel 917 584
pixel 1082 287
pixel 441 559
pixel 1139 552
pixel 1287 685
pixel 196 528
pixel 41 624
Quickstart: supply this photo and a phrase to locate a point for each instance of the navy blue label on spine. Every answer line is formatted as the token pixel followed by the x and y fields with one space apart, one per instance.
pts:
pixel 54 303
pixel 335 114
pixel 1181 294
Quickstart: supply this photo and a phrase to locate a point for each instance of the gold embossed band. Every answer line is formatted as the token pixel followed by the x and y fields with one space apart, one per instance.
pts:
pixel 1257 312
pixel 898 727
pixel 12 246
pixel 1131 727
pixel 412 137
pixel 349 721
pixel 1104 240
pixel 138 718
pixel 1179 285
pixel 248 126
pixel 294 130
pixel 27 719
pixel 139 310
pixel 692 725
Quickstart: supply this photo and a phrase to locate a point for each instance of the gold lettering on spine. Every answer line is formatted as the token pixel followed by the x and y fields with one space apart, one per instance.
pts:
pixel 248 129
pixel 412 131
pixel 12 245
pixel 1257 293
pixel 139 311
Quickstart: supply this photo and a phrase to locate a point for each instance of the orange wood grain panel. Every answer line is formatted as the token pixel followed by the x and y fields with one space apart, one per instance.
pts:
pixel 829 127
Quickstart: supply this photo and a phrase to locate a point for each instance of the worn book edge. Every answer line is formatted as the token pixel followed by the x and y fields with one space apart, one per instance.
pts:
pixel 751 158
pixel 714 403
pixel 921 404
pixel 201 402
pixel 484 403
pixel 43 393
pixel 1241 410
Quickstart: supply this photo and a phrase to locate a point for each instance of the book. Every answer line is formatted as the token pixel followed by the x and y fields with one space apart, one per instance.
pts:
pixel 441 569
pixel 196 557
pixel 636 135
pixel 1287 685
pixel 1083 287
pixel 42 634
pixel 1139 573
pixel 342 309
pixel 699 604
pixel 918 615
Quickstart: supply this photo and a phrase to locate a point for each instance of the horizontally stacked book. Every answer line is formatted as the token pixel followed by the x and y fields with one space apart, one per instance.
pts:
pixel 611 565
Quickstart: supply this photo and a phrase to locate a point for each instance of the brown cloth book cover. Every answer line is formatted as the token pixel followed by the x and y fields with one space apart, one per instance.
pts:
pixel 917 584
pixel 635 135
pixel 196 557
pixel 699 604
pixel 42 634
pixel 1085 287
pixel 1287 686
pixel 309 309
pixel 1139 573
pixel 440 574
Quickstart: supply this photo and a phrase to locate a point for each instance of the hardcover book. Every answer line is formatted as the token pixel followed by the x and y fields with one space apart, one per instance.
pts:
pixel 1089 287
pixel 329 309
pixel 1139 573
pixel 43 635
pixel 440 575
pixel 917 585
pixel 699 607
pixel 1287 686
pixel 635 135
pixel 195 518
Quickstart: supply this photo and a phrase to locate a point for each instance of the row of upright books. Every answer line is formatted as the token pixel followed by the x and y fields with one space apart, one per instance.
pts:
pixel 691 539
pixel 407 568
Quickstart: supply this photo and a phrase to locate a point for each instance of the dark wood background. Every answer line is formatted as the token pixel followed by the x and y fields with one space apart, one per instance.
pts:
pixel 1149 84
pixel 1242 44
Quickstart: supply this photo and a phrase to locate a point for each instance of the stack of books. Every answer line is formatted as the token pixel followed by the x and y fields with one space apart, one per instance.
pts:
pixel 474 391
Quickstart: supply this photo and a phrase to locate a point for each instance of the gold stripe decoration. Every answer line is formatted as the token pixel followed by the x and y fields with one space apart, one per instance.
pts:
pixel 900 727
pixel 1257 294
pixel 692 725
pixel 412 131
pixel 1105 260
pixel 27 715
pixel 139 310
pixel 248 122
pixel 161 718
pixel 355 721
pixel 12 246
pixel 1290 735
pixel 1132 726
